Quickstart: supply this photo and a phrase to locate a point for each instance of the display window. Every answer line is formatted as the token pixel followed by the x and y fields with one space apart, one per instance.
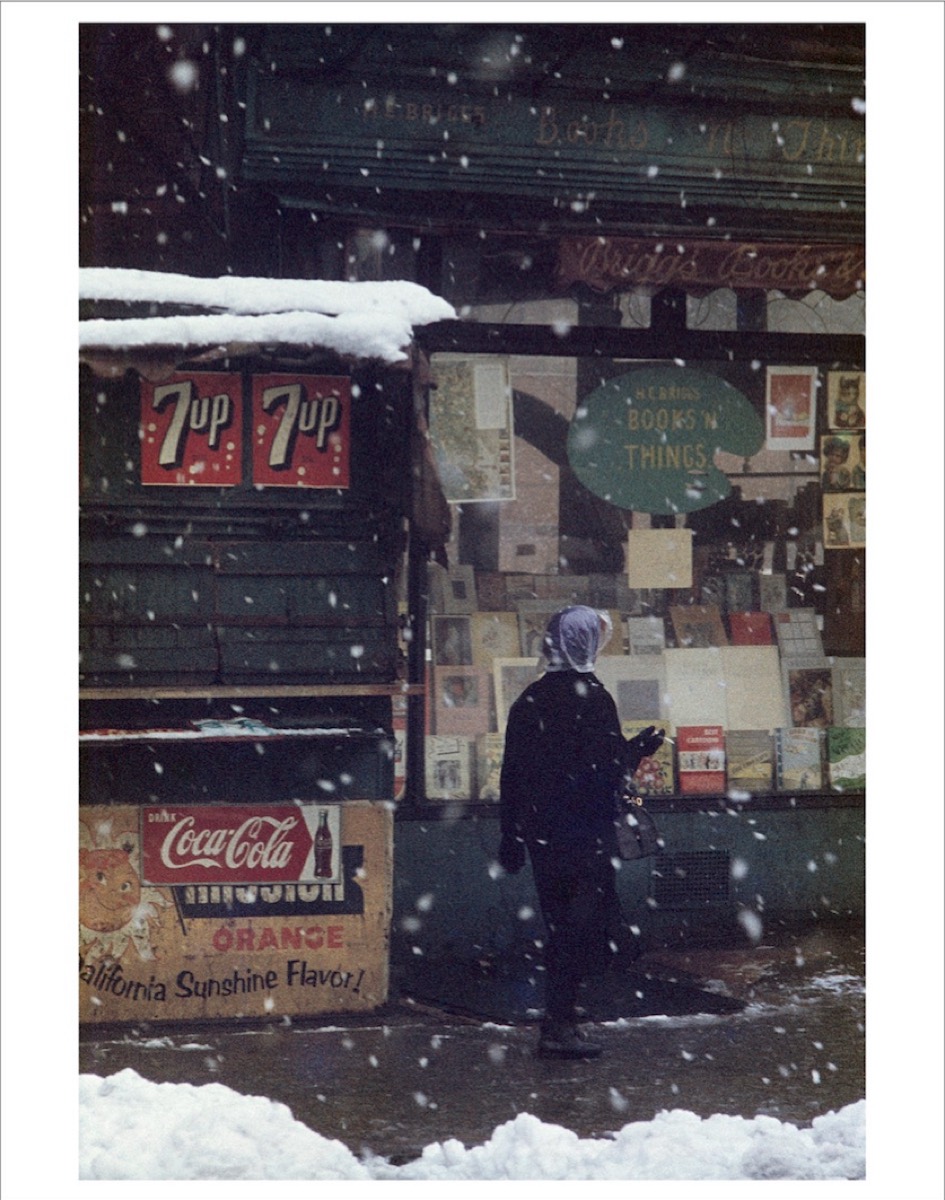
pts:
pixel 663 495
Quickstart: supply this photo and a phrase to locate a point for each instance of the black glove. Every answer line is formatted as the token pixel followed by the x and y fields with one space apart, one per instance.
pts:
pixel 645 743
pixel 511 854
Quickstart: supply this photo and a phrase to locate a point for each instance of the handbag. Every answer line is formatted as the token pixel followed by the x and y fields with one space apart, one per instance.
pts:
pixel 637 834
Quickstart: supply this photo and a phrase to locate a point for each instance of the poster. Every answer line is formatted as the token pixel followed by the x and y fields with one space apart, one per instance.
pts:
pixel 844 520
pixel 265 917
pixel 659 558
pixel 791 408
pixel 471 428
pixel 846 400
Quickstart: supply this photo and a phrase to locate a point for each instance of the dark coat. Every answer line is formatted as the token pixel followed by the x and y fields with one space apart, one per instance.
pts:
pixel 565 759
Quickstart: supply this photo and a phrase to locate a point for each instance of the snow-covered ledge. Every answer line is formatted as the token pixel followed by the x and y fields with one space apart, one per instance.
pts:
pixel 359 320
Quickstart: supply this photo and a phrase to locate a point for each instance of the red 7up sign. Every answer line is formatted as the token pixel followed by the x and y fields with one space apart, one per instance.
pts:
pixel 192 430
pixel 301 431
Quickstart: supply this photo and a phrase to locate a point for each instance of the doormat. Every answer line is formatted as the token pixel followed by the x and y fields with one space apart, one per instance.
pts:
pixel 514 993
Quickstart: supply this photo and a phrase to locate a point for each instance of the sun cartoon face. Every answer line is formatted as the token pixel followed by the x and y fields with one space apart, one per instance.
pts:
pixel 109 889
pixel 114 907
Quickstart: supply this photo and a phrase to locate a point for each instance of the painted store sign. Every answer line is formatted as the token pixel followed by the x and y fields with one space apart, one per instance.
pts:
pixel 647 440
pixel 301 431
pixel 228 843
pixel 192 430
pixel 608 263
pixel 268 936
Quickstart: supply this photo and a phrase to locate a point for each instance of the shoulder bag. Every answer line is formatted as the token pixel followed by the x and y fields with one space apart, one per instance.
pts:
pixel 637 835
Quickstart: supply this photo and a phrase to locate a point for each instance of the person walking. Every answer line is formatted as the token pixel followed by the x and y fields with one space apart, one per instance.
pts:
pixel 564 763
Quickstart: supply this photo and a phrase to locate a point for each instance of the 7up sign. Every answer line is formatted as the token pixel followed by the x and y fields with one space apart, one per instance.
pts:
pixel 191 430
pixel 301 431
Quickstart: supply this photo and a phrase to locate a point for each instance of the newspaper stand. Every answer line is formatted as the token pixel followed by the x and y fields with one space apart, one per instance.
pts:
pixel 246 523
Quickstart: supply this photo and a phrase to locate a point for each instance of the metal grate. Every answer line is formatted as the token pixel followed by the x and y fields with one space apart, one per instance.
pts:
pixel 695 879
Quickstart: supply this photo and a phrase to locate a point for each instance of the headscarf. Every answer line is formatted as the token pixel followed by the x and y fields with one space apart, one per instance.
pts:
pixel 574 638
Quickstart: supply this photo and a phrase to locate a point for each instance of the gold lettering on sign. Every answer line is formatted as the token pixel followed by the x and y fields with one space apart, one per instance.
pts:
pixel 667 457
pixel 611 262
pixel 390 108
pixel 614 133
pixel 814 142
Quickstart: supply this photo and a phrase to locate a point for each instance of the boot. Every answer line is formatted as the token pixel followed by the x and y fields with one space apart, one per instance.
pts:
pixel 561 1039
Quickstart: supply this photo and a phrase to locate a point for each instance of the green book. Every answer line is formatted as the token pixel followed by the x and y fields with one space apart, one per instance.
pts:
pixel 846 758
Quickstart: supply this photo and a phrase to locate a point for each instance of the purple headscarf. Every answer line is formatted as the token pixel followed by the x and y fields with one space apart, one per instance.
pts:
pixel 574 638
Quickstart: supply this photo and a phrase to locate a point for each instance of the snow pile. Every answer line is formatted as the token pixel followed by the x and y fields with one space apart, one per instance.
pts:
pixel 131 1128
pixel 363 320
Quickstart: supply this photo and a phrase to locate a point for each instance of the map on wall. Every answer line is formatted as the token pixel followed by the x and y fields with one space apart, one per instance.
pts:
pixel 471 428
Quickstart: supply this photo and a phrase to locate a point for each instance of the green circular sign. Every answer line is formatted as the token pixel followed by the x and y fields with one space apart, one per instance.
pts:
pixel 647 440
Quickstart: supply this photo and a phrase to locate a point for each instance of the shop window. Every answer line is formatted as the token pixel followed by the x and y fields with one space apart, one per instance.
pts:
pixel 755 642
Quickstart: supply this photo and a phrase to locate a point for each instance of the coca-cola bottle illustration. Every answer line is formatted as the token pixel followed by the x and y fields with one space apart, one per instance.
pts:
pixel 323 848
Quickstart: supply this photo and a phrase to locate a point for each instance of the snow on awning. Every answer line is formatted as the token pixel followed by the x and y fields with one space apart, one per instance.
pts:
pixel 357 320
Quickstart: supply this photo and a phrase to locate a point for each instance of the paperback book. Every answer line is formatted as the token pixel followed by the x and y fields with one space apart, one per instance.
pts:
pixel 749 756
pixel 449 766
pixel 655 776
pixel 701 754
pixel 798 759
pixel 846 758
pixel 489 750
pixel 750 628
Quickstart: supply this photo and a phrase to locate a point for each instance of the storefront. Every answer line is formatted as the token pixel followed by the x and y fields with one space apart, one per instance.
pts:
pixel 247 514
pixel 654 402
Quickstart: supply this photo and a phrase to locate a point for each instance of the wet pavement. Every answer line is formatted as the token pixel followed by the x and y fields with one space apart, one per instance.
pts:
pixel 776 1029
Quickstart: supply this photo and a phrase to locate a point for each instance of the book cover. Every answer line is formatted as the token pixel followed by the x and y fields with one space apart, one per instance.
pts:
pixel 461 700
pixel 846 758
pixel 698 626
pixel 753 688
pixel 511 676
pixel 493 635
pixel 449 766
pixel 655 776
pixel 849 691
pixel 772 592
pixel 637 684
pixel 489 750
pixel 809 694
pixel 798 759
pixel 750 629
pixel 399 730
pixel 695 691
pixel 645 635
pixel 740 590
pixel 490 591
pixel 798 632
pixel 701 757
pixel 749 757
pixel 452 645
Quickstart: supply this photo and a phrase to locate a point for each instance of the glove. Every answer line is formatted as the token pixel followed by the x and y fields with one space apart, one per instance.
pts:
pixel 645 743
pixel 511 854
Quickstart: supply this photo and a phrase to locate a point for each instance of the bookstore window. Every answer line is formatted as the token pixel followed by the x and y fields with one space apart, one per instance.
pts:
pixel 715 511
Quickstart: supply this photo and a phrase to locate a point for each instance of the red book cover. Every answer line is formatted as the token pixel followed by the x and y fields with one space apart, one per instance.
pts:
pixel 701 759
pixel 750 629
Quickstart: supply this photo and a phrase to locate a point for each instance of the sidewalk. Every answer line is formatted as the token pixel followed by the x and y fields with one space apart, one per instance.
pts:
pixel 776 1030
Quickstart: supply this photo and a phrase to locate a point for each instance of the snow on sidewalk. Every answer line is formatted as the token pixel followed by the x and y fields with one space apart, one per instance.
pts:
pixel 131 1128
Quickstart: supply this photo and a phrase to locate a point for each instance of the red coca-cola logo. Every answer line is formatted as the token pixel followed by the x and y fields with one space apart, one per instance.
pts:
pixel 225 844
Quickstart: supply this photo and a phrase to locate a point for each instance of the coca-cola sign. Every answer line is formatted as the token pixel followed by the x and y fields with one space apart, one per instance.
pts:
pixel 240 844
